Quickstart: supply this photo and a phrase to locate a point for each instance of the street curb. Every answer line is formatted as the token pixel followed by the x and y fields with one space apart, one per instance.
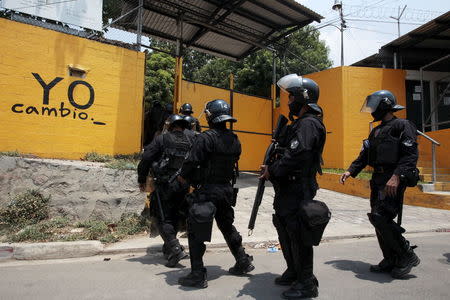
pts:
pixel 52 250
pixel 154 249
pixel 61 250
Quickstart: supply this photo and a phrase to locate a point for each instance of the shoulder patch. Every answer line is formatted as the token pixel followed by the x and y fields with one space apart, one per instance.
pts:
pixel 294 144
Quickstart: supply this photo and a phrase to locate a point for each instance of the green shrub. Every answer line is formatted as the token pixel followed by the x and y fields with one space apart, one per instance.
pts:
pixel 94 156
pixel 26 208
pixel 134 156
pixel 59 222
pixel 130 224
pixel 122 164
pixel 32 233
pixel 111 238
pixel 10 153
pixel 96 229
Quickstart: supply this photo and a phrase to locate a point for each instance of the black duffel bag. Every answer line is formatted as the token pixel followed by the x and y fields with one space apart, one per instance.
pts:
pixel 314 216
pixel 200 220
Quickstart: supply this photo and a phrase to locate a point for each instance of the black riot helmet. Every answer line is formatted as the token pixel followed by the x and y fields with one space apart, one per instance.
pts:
pixel 176 120
pixel 305 92
pixel 218 111
pixel 186 109
pixel 169 107
pixel 380 103
pixel 191 120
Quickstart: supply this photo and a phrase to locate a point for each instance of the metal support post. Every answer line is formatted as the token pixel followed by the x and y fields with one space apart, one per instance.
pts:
pixel 139 25
pixel 433 159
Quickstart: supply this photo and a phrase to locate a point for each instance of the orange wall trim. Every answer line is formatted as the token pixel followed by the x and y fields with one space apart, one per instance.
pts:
pixel 361 188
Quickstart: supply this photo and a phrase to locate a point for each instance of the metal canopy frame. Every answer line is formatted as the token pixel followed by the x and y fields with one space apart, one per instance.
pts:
pixel 415 49
pixel 231 29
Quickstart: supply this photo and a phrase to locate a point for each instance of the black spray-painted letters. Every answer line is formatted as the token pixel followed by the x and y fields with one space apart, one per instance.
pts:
pixel 61 111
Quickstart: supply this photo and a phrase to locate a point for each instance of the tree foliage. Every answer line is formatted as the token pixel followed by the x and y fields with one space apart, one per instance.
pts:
pixel 302 52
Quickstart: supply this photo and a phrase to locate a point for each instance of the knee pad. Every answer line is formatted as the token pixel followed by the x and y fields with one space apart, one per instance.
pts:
pixel 378 221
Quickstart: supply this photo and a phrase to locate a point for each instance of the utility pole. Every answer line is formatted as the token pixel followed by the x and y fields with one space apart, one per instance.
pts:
pixel 338 7
pixel 400 14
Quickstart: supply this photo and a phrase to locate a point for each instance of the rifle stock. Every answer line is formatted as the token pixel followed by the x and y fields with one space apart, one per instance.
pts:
pixel 281 123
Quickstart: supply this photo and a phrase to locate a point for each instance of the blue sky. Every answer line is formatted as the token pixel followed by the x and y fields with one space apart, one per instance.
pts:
pixel 364 38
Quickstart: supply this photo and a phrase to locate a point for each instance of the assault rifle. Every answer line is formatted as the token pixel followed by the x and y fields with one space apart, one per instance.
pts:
pixel 281 123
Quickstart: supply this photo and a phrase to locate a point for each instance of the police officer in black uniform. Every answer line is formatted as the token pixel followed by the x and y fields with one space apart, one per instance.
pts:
pixel 186 109
pixel 211 168
pixel 391 150
pixel 164 156
pixel 293 176
pixel 192 123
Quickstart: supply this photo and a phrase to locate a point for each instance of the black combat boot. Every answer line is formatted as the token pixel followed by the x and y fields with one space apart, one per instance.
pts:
pixel 287 278
pixel 303 289
pixel 176 253
pixel 384 266
pixel 196 279
pixel 165 251
pixel 405 263
pixel 242 266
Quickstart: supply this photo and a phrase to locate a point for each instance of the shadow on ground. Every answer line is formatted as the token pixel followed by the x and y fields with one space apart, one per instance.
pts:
pixel 173 275
pixel 261 286
pixel 445 260
pixel 248 180
pixel 361 270
pixel 151 259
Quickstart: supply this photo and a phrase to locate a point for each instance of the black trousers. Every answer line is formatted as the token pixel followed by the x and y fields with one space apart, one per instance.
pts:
pixel 298 257
pixel 221 195
pixel 385 208
pixel 288 195
pixel 171 199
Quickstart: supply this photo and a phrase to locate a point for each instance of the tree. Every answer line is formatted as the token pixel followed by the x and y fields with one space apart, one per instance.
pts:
pixel 301 52
pixel 159 78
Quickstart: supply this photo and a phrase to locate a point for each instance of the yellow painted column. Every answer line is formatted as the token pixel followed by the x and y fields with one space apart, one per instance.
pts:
pixel 178 81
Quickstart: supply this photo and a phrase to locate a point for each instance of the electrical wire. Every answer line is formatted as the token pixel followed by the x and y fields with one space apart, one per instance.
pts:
pixel 382 32
pixel 357 43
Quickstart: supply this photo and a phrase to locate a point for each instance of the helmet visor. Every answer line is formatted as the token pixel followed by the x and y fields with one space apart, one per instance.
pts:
pixel 289 82
pixel 371 104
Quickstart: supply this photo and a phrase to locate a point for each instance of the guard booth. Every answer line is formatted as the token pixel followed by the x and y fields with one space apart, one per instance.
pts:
pixel 226 29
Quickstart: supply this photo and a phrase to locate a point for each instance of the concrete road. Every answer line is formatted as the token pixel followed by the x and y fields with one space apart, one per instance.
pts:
pixel 341 267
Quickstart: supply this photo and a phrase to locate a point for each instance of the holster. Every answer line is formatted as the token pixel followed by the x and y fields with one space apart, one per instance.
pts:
pixel 200 220
pixel 410 177
pixel 314 216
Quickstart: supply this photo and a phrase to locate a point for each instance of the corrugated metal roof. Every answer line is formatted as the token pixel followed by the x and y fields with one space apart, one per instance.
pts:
pixel 417 48
pixel 226 28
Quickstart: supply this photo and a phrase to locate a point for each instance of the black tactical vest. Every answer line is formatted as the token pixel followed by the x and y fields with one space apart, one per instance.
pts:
pixel 310 167
pixel 383 146
pixel 221 165
pixel 176 147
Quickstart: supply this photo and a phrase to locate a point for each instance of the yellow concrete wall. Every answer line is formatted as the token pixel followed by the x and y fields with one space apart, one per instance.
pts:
pixel 331 99
pixel 198 95
pixel 254 115
pixel 358 83
pixel 442 151
pixel 342 93
pixel 361 188
pixel 115 74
